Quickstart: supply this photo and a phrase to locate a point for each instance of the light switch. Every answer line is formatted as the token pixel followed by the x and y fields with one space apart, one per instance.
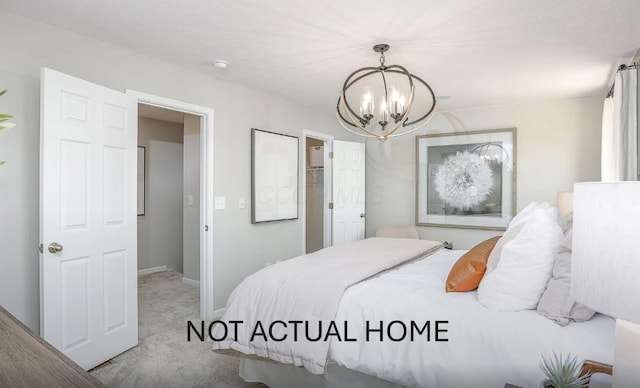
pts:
pixel 190 200
pixel 241 203
pixel 220 203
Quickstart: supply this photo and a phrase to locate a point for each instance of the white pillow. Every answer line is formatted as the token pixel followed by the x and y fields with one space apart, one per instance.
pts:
pixel 525 264
pixel 496 252
pixel 525 214
pixel 514 228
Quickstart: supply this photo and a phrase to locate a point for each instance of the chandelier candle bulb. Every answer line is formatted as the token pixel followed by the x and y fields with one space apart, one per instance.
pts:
pixel 395 96
pixel 366 108
pixel 383 112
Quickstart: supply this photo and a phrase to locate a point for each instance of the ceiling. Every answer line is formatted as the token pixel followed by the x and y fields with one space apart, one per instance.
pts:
pixel 489 52
pixel 156 113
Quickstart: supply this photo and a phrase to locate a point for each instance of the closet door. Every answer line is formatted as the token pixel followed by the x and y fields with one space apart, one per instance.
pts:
pixel 348 192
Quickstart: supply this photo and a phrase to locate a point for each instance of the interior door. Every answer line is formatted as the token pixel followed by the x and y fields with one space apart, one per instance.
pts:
pixel 88 265
pixel 348 191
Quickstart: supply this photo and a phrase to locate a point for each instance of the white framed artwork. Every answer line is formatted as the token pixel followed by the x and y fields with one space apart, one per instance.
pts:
pixel 274 176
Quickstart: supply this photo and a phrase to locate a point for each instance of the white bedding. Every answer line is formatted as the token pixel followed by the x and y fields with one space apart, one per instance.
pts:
pixel 485 348
pixel 307 288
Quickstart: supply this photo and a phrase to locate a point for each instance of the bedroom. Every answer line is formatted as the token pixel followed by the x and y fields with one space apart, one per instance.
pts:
pixel 555 104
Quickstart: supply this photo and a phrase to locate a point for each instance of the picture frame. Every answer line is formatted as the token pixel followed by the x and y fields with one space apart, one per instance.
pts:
pixel 466 179
pixel 274 176
pixel 142 159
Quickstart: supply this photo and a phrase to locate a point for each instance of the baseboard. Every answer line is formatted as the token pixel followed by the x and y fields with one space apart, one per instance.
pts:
pixel 191 282
pixel 151 270
pixel 218 313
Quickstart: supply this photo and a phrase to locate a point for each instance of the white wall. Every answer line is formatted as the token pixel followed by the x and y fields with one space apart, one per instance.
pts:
pixel 240 248
pixel 19 287
pixel 165 205
pixel 191 213
pixel 158 242
pixel 558 143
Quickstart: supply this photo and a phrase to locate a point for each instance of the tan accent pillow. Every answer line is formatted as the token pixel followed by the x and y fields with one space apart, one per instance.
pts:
pixel 466 273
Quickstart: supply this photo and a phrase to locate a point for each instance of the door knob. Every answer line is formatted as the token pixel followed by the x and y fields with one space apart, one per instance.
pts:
pixel 361 215
pixel 54 247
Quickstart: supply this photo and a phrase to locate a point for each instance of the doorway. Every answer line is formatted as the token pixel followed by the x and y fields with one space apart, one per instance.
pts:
pixel 168 192
pixel 317 182
pixel 202 234
pixel 314 194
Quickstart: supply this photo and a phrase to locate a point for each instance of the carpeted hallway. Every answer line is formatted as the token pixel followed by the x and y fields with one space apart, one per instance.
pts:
pixel 163 357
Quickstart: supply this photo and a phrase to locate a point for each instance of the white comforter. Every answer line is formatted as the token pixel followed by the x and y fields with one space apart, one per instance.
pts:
pixel 307 288
pixel 485 348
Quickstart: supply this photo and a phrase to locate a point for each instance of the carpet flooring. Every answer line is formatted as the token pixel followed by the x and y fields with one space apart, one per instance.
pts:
pixel 163 357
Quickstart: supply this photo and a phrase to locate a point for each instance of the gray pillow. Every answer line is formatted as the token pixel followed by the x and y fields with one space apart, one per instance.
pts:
pixel 556 303
pixel 566 222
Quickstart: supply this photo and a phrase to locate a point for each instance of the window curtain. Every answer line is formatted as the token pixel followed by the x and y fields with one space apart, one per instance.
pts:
pixel 620 129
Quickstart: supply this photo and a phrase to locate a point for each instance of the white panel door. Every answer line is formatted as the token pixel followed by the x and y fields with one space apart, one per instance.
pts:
pixel 88 268
pixel 348 191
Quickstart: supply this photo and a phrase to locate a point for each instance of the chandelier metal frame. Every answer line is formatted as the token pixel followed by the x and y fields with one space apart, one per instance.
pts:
pixel 355 123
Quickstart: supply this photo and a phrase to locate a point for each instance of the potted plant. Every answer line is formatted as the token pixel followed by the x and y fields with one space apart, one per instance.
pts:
pixel 4 124
pixel 563 372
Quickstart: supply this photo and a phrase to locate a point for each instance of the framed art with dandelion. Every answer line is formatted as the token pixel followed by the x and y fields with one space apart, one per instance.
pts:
pixel 466 179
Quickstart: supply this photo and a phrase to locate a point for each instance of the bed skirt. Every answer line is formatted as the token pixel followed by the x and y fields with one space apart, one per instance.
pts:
pixel 290 376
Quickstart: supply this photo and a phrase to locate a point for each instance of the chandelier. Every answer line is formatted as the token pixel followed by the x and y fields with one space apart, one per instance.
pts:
pixel 394 114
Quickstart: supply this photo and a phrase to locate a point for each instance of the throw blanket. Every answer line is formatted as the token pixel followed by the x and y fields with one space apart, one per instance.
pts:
pixel 307 288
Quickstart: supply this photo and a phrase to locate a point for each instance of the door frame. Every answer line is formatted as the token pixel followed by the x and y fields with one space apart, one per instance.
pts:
pixel 328 186
pixel 207 310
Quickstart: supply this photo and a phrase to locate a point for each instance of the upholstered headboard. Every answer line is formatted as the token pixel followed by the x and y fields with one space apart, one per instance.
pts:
pixel 397 232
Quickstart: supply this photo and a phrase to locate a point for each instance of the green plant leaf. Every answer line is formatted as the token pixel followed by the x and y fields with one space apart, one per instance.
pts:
pixel 564 373
pixel 3 120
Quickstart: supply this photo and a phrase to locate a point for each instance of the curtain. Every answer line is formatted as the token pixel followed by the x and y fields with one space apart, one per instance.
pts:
pixel 609 165
pixel 620 129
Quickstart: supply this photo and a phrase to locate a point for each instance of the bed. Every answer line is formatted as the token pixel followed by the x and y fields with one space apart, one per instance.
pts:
pixel 477 347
